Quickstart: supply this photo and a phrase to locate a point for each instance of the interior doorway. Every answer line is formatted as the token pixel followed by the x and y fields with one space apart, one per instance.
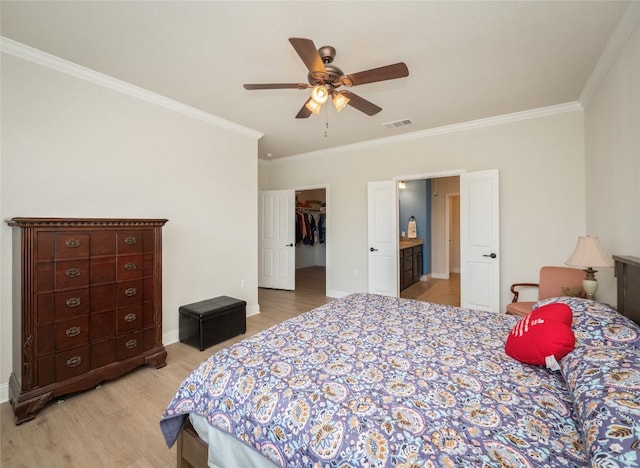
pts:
pixel 311 233
pixel 434 203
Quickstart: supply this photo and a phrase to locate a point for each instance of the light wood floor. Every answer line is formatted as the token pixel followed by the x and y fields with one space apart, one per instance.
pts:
pixel 440 291
pixel 117 424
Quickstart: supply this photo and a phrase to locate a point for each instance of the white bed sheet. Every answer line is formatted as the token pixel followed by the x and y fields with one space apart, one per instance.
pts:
pixel 225 451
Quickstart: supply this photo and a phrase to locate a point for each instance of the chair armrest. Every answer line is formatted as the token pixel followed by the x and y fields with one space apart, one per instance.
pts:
pixel 524 285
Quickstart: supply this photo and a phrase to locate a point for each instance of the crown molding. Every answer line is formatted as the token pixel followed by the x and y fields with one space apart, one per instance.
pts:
pixel 17 49
pixel 626 26
pixel 454 128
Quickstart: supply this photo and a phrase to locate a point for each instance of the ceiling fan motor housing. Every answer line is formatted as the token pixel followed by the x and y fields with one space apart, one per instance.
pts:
pixel 327 53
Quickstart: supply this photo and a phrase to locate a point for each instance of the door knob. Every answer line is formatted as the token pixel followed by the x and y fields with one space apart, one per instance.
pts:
pixel 289 245
pixel 492 255
pixel 373 250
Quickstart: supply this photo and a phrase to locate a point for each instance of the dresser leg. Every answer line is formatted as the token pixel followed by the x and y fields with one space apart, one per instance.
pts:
pixel 157 360
pixel 27 409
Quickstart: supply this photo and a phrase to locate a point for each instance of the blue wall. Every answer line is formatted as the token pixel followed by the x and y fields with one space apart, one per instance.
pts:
pixel 415 200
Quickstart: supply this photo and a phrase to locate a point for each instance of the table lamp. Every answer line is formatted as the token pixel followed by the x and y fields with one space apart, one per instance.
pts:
pixel 589 254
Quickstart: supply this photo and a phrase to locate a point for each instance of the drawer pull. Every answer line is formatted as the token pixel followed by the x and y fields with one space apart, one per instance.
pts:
pixel 73 331
pixel 130 266
pixel 130 240
pixel 74 361
pixel 72 272
pixel 72 243
pixel 131 344
pixel 130 292
pixel 130 317
pixel 73 302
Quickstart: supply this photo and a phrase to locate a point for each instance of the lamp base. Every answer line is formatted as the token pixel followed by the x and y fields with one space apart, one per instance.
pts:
pixel 590 287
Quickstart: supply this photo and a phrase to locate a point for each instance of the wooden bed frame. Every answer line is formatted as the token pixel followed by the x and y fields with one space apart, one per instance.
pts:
pixel 193 452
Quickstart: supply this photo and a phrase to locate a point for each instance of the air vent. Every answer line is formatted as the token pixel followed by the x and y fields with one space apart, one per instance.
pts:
pixel 397 123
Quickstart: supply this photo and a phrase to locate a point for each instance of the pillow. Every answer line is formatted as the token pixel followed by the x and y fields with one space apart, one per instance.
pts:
pixel 544 332
pixel 573 291
pixel 596 324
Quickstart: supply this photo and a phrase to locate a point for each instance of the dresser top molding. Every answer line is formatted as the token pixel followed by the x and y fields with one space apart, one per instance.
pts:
pixel 84 222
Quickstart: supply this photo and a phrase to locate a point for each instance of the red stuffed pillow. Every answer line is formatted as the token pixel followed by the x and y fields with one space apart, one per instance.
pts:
pixel 544 332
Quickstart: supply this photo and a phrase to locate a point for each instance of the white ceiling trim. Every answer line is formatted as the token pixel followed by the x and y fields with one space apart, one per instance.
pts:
pixel 629 22
pixel 17 49
pixel 459 127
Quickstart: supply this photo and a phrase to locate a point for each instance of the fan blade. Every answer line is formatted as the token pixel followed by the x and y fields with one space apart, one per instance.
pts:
pixel 276 86
pixel 303 113
pixel 362 104
pixel 308 52
pixel 389 72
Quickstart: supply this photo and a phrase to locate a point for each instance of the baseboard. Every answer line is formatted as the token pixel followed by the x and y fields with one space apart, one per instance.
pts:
pixel 336 294
pixel 440 276
pixel 253 310
pixel 4 392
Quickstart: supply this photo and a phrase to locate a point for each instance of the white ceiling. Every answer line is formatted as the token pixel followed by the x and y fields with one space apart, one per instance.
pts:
pixel 466 60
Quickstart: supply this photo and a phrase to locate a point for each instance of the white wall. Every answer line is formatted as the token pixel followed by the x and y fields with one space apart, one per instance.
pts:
pixel 71 148
pixel 612 143
pixel 542 188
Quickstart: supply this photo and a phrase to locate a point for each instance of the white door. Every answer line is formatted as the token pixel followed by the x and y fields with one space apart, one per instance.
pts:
pixel 480 240
pixel 276 238
pixel 383 238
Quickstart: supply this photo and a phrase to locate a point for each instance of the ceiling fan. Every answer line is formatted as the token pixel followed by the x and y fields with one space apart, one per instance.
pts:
pixel 325 79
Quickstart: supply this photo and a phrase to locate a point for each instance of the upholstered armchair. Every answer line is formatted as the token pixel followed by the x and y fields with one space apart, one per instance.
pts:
pixel 554 281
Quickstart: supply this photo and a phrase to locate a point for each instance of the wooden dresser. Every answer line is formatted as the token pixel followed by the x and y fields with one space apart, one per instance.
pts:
pixel 87 305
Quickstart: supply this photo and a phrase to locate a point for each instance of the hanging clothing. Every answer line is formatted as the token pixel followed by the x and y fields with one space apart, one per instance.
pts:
pixel 309 228
pixel 322 226
pixel 298 227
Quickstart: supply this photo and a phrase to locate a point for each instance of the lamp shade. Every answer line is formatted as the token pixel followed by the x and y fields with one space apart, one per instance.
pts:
pixel 589 253
pixel 320 94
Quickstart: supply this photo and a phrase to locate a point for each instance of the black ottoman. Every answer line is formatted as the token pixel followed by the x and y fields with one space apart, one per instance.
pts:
pixel 205 323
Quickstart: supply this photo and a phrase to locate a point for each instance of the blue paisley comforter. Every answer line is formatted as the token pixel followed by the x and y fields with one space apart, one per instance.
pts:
pixel 377 381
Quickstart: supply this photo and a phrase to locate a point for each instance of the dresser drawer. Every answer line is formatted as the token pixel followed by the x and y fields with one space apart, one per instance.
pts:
pixel 72 303
pixel 62 275
pixel 72 245
pixel 130 345
pixel 129 267
pixel 130 293
pixel 130 242
pixel 62 245
pixel 72 333
pixel 71 363
pixel 72 274
pixel 129 319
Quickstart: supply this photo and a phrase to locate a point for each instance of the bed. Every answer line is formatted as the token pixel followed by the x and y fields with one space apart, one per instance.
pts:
pixel 371 380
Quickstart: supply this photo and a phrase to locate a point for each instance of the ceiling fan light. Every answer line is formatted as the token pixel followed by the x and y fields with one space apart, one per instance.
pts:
pixel 313 106
pixel 340 100
pixel 320 94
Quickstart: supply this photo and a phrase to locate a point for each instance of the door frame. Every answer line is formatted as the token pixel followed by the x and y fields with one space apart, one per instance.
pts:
pixel 448 207
pixel 453 173
pixel 327 268
pixel 437 175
